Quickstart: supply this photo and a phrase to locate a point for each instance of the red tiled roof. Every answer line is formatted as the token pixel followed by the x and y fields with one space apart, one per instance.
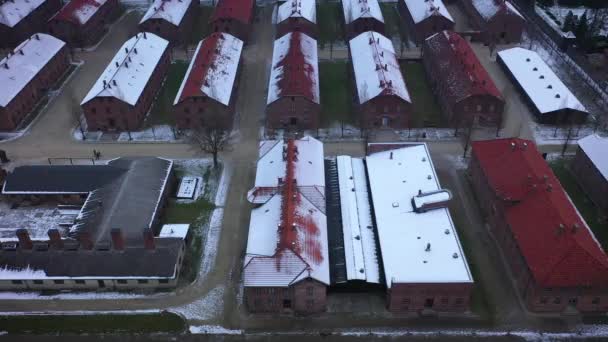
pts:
pixel 555 241
pixel 70 12
pixel 299 76
pixel 202 62
pixel 241 10
pixel 456 63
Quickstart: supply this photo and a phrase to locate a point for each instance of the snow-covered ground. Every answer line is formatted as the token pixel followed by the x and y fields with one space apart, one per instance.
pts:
pixel 160 133
pixel 37 220
pixel 351 133
pixel 205 308
pixel 75 296
pixel 213 330
pixel 546 135
pixel 560 13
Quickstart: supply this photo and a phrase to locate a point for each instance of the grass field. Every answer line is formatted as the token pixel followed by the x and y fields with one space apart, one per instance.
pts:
pixel 426 109
pixel 91 324
pixel 581 201
pixel 336 93
pixel 392 20
pixel 161 112
pixel 330 22
pixel 201 27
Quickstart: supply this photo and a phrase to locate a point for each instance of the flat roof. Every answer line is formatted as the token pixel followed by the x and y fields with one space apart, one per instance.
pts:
pixel 546 91
pixel 395 177
pixel 174 231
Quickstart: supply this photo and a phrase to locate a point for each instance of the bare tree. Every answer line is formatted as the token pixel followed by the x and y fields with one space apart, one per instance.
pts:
pixel 76 113
pixel 209 140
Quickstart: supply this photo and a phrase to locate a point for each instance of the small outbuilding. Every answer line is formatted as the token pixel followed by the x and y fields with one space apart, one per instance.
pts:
pixel 590 167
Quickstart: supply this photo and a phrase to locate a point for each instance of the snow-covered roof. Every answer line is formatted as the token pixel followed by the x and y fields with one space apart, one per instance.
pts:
pixel 377 70
pixel 422 9
pixel 488 8
pixel 212 71
pixel 416 247
pixel 129 71
pixel 540 83
pixel 355 9
pixel 24 63
pixel 295 69
pixel 287 239
pixel 306 9
pixel 596 148
pixel 79 11
pixel 359 237
pixel 12 12
pixel 172 11
pixel 174 231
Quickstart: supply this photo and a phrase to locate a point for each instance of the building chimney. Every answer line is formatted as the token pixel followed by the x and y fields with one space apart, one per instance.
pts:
pixel 114 82
pixel 85 240
pixel 117 65
pixel 126 50
pixel 24 239
pixel 145 36
pixel 55 239
pixel 135 50
pixel 105 83
pixel 21 52
pixel 428 247
pixel 149 239
pixel 5 65
pixel 118 240
pixel 575 228
pixel 512 146
pixel 37 36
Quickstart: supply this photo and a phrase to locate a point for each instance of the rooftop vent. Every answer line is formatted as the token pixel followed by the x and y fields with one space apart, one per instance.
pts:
pixel 557 96
pixel 426 201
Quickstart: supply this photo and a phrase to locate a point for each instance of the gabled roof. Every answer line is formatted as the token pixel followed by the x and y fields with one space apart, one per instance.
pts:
pixel 457 65
pixel 490 8
pixel 172 11
pixel 558 246
pixel 288 234
pixel 596 148
pixel 126 76
pixel 377 70
pixel 546 91
pixel 79 11
pixel 12 12
pixel 295 69
pixel 355 9
pixel 306 9
pixel 213 69
pixel 24 63
pixel 241 10
pixel 423 9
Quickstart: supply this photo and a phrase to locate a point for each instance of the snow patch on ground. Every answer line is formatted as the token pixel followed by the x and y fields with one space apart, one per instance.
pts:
pixel 222 188
pixel 74 296
pixel 206 308
pixel 211 242
pixel 548 135
pixel 214 330
pixel 156 133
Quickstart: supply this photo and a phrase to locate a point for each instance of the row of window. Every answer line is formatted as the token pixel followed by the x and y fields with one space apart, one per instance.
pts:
pixel 430 302
pixel 571 301
pixel 479 108
pixel 82 282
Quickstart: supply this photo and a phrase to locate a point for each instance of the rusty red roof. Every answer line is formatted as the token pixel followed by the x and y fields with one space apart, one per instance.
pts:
pixel 241 10
pixel 457 65
pixel 79 11
pixel 558 246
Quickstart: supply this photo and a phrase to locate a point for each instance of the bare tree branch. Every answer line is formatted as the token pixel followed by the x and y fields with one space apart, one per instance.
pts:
pixel 209 140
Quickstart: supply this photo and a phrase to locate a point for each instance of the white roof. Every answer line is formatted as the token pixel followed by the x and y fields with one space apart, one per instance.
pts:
pixel 217 79
pixel 174 231
pixel 596 148
pixel 11 12
pixel 129 71
pixel 489 8
pixel 355 9
pixel 172 11
pixel 395 177
pixel 376 67
pixel 24 63
pixel 187 187
pixel 289 50
pixel 80 11
pixel 306 9
pixel 359 237
pixel 422 9
pixel 541 85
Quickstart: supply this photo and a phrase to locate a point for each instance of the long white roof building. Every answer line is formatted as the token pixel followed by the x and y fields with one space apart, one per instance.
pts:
pixel 12 12
pixel 172 11
pixel 355 9
pixel 24 63
pixel 306 9
pixel 416 246
pixel 422 9
pixel 546 91
pixel 377 71
pixel 596 148
pixel 126 76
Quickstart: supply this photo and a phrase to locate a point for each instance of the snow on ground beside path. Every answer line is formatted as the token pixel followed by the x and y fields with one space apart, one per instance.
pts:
pixel 206 308
pixel 196 168
pixel 546 135
pixel 213 330
pixel 75 296
pixel 162 133
pixel 211 242
pixel 222 188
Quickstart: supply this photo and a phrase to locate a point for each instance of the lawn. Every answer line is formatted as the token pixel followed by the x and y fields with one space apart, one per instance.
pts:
pixel 581 201
pixel 161 112
pixel 201 27
pixel 336 93
pixel 330 22
pixel 426 109
pixel 392 20
pixel 91 324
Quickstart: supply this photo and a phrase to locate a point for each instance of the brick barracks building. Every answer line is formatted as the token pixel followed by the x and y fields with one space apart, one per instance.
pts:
pixel 170 19
pixel 590 166
pixel 425 17
pixel 556 263
pixel 293 90
pixel 297 16
pixel 382 98
pixel 362 16
pixel 207 95
pixel 464 89
pixel 27 73
pixel 121 97
pixel 498 21
pixel 234 17
pixel 82 23
pixel 19 19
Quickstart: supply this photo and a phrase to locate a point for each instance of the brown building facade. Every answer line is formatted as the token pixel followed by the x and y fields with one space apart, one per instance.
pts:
pixel 297 16
pixel 498 21
pixel 234 17
pixel 82 23
pixel 22 18
pixel 425 18
pixel 362 16
pixel 170 19
pixel 450 297
pixel 26 75
pixel 120 99
pixel 590 167
pixel 308 296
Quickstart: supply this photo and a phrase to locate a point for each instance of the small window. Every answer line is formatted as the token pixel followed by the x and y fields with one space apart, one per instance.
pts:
pixel 142 281
pixel 444 300
pixel 543 300
pixel 405 301
pixel 94 110
pixel 80 282
pixel 310 290
pixel 16 282
pixel 572 301
pixel 491 108
pixel 310 303
pixel 557 300
pixel 595 300
pixel 121 281
pixel 58 281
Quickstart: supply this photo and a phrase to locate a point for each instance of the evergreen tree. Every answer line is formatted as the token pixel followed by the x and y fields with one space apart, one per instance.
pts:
pixel 582 29
pixel 569 22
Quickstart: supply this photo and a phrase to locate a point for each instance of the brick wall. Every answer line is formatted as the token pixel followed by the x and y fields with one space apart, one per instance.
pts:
pixel 385 111
pixel 295 112
pixel 305 297
pixel 591 180
pixel 88 34
pixel 425 28
pixel 447 297
pixel 174 34
pixel 203 111
pixel 500 30
pixel 297 25
pixel 35 22
pixel 233 27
